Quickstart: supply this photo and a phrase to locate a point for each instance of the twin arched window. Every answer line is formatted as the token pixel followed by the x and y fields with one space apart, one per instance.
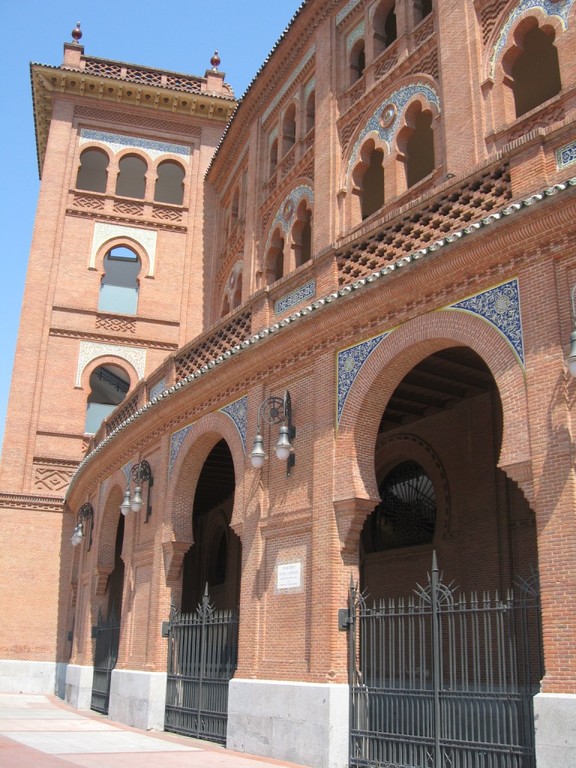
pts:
pixel 131 179
pixel 279 260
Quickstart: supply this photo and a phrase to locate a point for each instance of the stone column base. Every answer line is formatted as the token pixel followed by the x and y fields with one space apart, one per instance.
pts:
pixel 79 686
pixel 299 722
pixel 138 698
pixel 555 726
pixel 17 676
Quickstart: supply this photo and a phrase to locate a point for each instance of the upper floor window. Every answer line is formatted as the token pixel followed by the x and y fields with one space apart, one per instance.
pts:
pixel 131 180
pixel 273 156
pixel 289 128
pixel 93 172
pixel 275 259
pixel 169 187
pixel 310 111
pixel 108 387
pixel 422 8
pixel 357 61
pixel 302 235
pixel 119 286
pixel 385 31
pixel 372 184
pixel 535 72
pixel 418 139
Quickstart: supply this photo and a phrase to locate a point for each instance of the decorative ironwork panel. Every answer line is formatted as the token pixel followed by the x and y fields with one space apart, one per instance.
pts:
pixel 202 658
pixel 107 635
pixel 442 680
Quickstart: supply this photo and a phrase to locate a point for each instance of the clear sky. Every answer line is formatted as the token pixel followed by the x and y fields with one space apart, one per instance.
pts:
pixel 174 35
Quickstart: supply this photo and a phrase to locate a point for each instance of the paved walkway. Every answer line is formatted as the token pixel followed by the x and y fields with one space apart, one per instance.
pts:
pixel 39 731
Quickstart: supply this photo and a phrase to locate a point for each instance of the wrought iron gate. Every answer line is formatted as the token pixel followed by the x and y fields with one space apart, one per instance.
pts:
pixel 442 681
pixel 202 658
pixel 107 635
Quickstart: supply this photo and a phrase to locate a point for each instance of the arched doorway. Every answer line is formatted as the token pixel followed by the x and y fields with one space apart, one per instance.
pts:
pixel 446 627
pixel 203 635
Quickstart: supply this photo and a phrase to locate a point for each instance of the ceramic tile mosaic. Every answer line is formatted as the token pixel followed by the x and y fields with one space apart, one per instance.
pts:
pixel 176 440
pixel 300 294
pixel 238 412
pixel 500 306
pixel 144 237
pixel 566 155
pixel 350 362
pixel 91 350
pixel 116 142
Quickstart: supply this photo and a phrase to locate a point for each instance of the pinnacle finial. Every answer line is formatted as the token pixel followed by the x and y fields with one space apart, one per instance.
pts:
pixel 215 61
pixel 77 33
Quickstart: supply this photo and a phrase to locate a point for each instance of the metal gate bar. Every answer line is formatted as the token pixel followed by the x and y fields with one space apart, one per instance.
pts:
pixel 202 658
pixel 107 635
pixel 440 681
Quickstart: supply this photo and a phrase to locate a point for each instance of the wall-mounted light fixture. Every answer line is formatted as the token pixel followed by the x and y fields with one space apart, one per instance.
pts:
pixel 85 514
pixel 139 474
pixel 571 360
pixel 276 410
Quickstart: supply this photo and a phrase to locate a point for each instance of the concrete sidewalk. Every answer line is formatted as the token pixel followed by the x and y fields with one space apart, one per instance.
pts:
pixel 38 731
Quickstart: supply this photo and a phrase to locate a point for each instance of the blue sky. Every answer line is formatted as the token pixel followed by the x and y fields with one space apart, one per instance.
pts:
pixel 175 35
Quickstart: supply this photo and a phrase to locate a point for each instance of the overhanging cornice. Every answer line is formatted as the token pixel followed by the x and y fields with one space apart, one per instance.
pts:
pixel 49 82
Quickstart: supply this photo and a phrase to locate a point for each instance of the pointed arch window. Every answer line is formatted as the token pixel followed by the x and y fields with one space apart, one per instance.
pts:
pixel 169 187
pixel 93 172
pixel 119 285
pixel 420 158
pixel 357 61
pixel 131 180
pixel 302 235
pixel 536 72
pixel 385 31
pixel 372 189
pixel 108 387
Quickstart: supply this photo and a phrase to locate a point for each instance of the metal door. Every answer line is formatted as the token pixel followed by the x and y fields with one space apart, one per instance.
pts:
pixel 444 680
pixel 107 635
pixel 202 658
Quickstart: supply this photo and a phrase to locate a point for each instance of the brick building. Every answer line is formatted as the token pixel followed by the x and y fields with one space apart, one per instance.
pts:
pixel 372 265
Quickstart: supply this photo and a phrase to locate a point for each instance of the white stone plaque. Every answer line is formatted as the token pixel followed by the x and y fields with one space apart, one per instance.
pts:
pixel 289 576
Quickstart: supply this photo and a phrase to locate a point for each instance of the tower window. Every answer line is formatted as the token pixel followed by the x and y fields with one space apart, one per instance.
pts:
pixel 169 187
pixel 131 181
pixel 119 286
pixel 108 387
pixel 93 172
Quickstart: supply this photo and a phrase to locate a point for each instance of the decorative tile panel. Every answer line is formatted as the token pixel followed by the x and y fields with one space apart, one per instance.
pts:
pixel 160 386
pixel 500 306
pixel 238 412
pixel 116 142
pixel 90 350
pixel 304 292
pixel 566 155
pixel 176 440
pixel 144 237
pixel 385 121
pixel 559 8
pixel 350 362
